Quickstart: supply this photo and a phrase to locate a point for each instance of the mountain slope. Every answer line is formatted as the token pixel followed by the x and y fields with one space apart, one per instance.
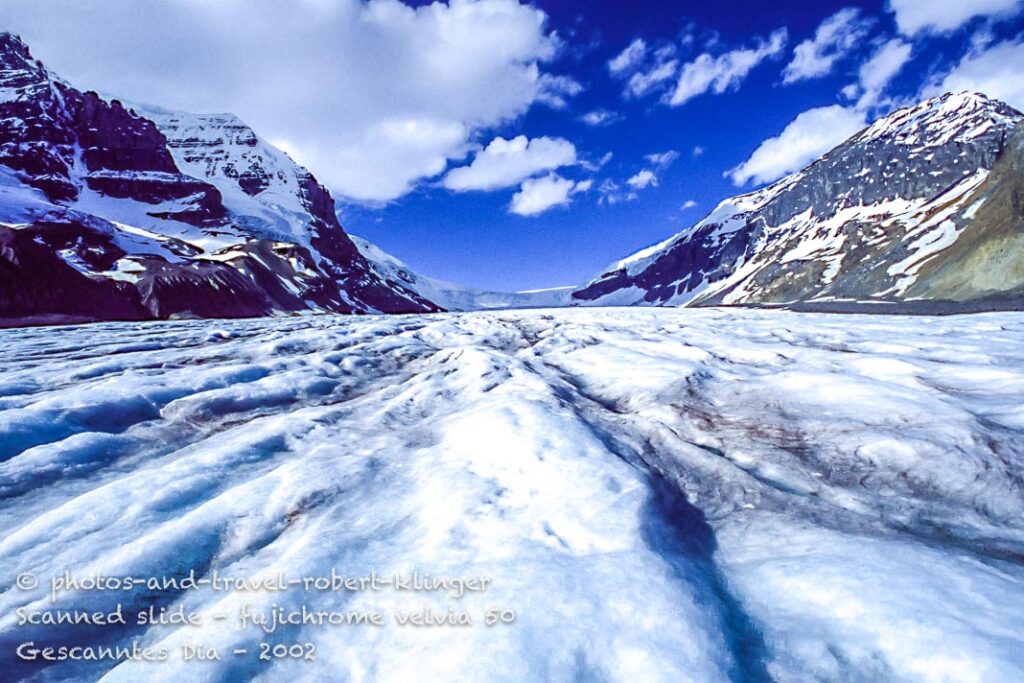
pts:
pixel 988 260
pixel 169 213
pixel 270 197
pixel 863 222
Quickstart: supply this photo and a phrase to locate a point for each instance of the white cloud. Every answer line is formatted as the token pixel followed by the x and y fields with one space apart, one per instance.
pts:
pixel 982 38
pixel 643 82
pixel 914 16
pixel 726 71
pixel 555 90
pixel 613 193
pixel 808 136
pixel 595 166
pixel 662 158
pixel 600 117
pixel 688 204
pixel 834 39
pixel 995 71
pixel 644 69
pixel 643 179
pixel 504 163
pixel 372 95
pixel 698 151
pixel 628 59
pixel 537 195
pixel 876 73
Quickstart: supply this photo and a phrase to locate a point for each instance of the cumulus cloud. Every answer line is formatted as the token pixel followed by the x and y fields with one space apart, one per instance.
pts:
pixel 662 159
pixel 850 91
pixel 537 195
pixel 994 71
pixel 876 73
pixel 688 204
pixel 643 179
pixel 595 166
pixel 940 16
pixel 555 91
pixel 833 40
pixel 642 82
pixel 372 95
pixel 613 193
pixel 816 131
pixel 628 59
pixel 808 136
pixel 643 68
pixel 504 163
pixel 725 71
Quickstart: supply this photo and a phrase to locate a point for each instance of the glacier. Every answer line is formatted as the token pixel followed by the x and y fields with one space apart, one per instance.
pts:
pixel 657 494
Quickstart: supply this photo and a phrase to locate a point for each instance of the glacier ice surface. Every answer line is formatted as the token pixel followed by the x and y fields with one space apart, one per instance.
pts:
pixel 660 495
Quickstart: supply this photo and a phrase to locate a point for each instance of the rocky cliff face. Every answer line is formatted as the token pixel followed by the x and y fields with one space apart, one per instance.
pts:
pixel 162 213
pixel 863 222
pixel 41 153
pixel 38 281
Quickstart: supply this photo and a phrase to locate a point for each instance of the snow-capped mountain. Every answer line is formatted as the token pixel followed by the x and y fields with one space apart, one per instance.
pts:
pixel 917 205
pixel 112 211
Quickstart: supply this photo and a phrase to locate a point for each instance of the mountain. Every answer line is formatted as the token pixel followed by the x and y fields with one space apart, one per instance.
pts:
pixel 114 211
pixel 923 204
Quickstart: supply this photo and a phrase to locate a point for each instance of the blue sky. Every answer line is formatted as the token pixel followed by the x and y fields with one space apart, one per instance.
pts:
pixel 472 237
pixel 383 100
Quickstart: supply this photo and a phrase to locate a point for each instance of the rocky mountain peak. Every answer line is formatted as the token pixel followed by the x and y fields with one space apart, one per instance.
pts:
pixel 65 142
pixel 911 153
pixel 951 117
pixel 20 74
pixel 861 222
pixel 14 53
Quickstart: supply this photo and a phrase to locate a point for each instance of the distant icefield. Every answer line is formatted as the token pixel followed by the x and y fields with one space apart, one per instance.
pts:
pixel 659 495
